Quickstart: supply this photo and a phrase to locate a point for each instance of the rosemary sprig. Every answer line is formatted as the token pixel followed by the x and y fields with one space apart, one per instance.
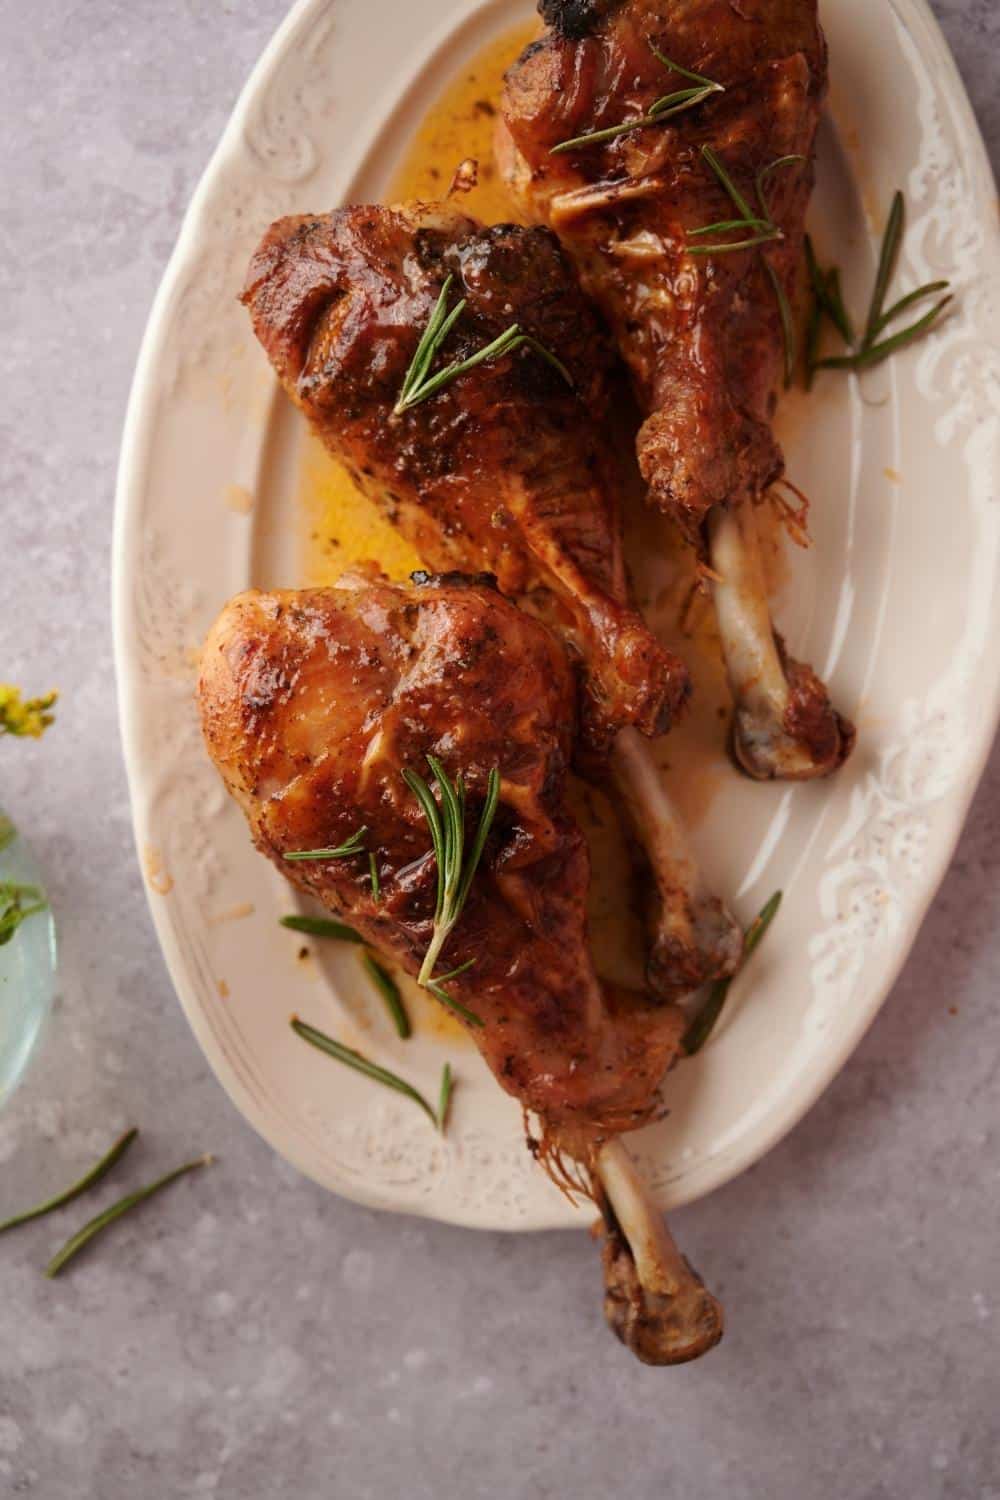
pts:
pixel 701 1025
pixel 444 1097
pixel 324 927
pixel 373 876
pixel 110 1215
pixel 354 845
pixel 455 869
pixel 419 384
pixel 437 989
pixel 389 990
pixel 759 229
pixel 14 911
pixel 828 303
pixel 89 1180
pixel 352 1059
pixel 661 109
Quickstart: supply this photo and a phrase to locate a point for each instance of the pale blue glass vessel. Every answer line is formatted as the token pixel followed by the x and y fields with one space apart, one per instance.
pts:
pixel 27 961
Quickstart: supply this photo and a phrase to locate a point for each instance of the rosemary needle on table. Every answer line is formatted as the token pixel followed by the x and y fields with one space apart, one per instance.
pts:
pixel 101 1169
pixel 97 1226
pixel 701 1025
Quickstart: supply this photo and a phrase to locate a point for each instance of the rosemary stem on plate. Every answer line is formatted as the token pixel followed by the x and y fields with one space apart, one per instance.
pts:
pixel 352 1059
pixel 390 992
pixel 702 1024
pixel 828 303
pixel 322 927
pixel 444 1097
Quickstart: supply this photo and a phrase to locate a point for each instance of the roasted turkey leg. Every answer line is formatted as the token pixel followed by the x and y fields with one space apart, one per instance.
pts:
pixel 504 470
pixel 701 329
pixel 313 703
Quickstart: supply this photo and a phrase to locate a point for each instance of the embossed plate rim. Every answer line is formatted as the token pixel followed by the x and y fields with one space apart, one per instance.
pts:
pixel 142 710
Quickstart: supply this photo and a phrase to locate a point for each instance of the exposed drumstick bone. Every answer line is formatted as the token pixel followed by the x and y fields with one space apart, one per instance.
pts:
pixel 784 726
pixel 693 937
pixel 654 1301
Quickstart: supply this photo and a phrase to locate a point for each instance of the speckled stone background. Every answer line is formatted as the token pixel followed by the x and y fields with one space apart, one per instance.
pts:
pixel 251 1337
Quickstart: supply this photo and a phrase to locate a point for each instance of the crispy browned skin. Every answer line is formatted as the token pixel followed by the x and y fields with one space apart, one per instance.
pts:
pixel 505 469
pixel 702 335
pixel 314 701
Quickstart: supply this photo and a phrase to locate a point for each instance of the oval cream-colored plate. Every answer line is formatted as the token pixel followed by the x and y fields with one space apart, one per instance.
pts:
pixel 896 604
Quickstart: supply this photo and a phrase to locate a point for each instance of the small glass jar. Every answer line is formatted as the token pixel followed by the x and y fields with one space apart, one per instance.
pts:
pixel 27 960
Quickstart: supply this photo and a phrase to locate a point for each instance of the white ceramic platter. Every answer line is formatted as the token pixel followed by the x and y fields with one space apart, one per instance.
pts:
pixel 896 604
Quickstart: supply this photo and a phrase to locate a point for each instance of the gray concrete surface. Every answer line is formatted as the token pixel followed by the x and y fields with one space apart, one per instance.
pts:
pixel 253 1338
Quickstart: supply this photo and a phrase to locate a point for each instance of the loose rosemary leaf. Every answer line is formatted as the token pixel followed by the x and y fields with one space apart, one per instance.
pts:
pixel 324 927
pixel 444 1097
pixel 389 990
pixel 352 1059
pixel 905 303
pixel 103 1221
pixel 702 1024
pixel 891 241
pixel 89 1180
pixel 787 324
pixel 873 354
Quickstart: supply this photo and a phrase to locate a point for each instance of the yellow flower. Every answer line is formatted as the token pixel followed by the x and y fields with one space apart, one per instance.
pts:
pixel 26 717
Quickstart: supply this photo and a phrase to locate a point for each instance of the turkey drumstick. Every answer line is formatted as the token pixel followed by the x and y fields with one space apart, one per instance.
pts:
pixel 314 703
pixel 502 470
pixel 669 145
